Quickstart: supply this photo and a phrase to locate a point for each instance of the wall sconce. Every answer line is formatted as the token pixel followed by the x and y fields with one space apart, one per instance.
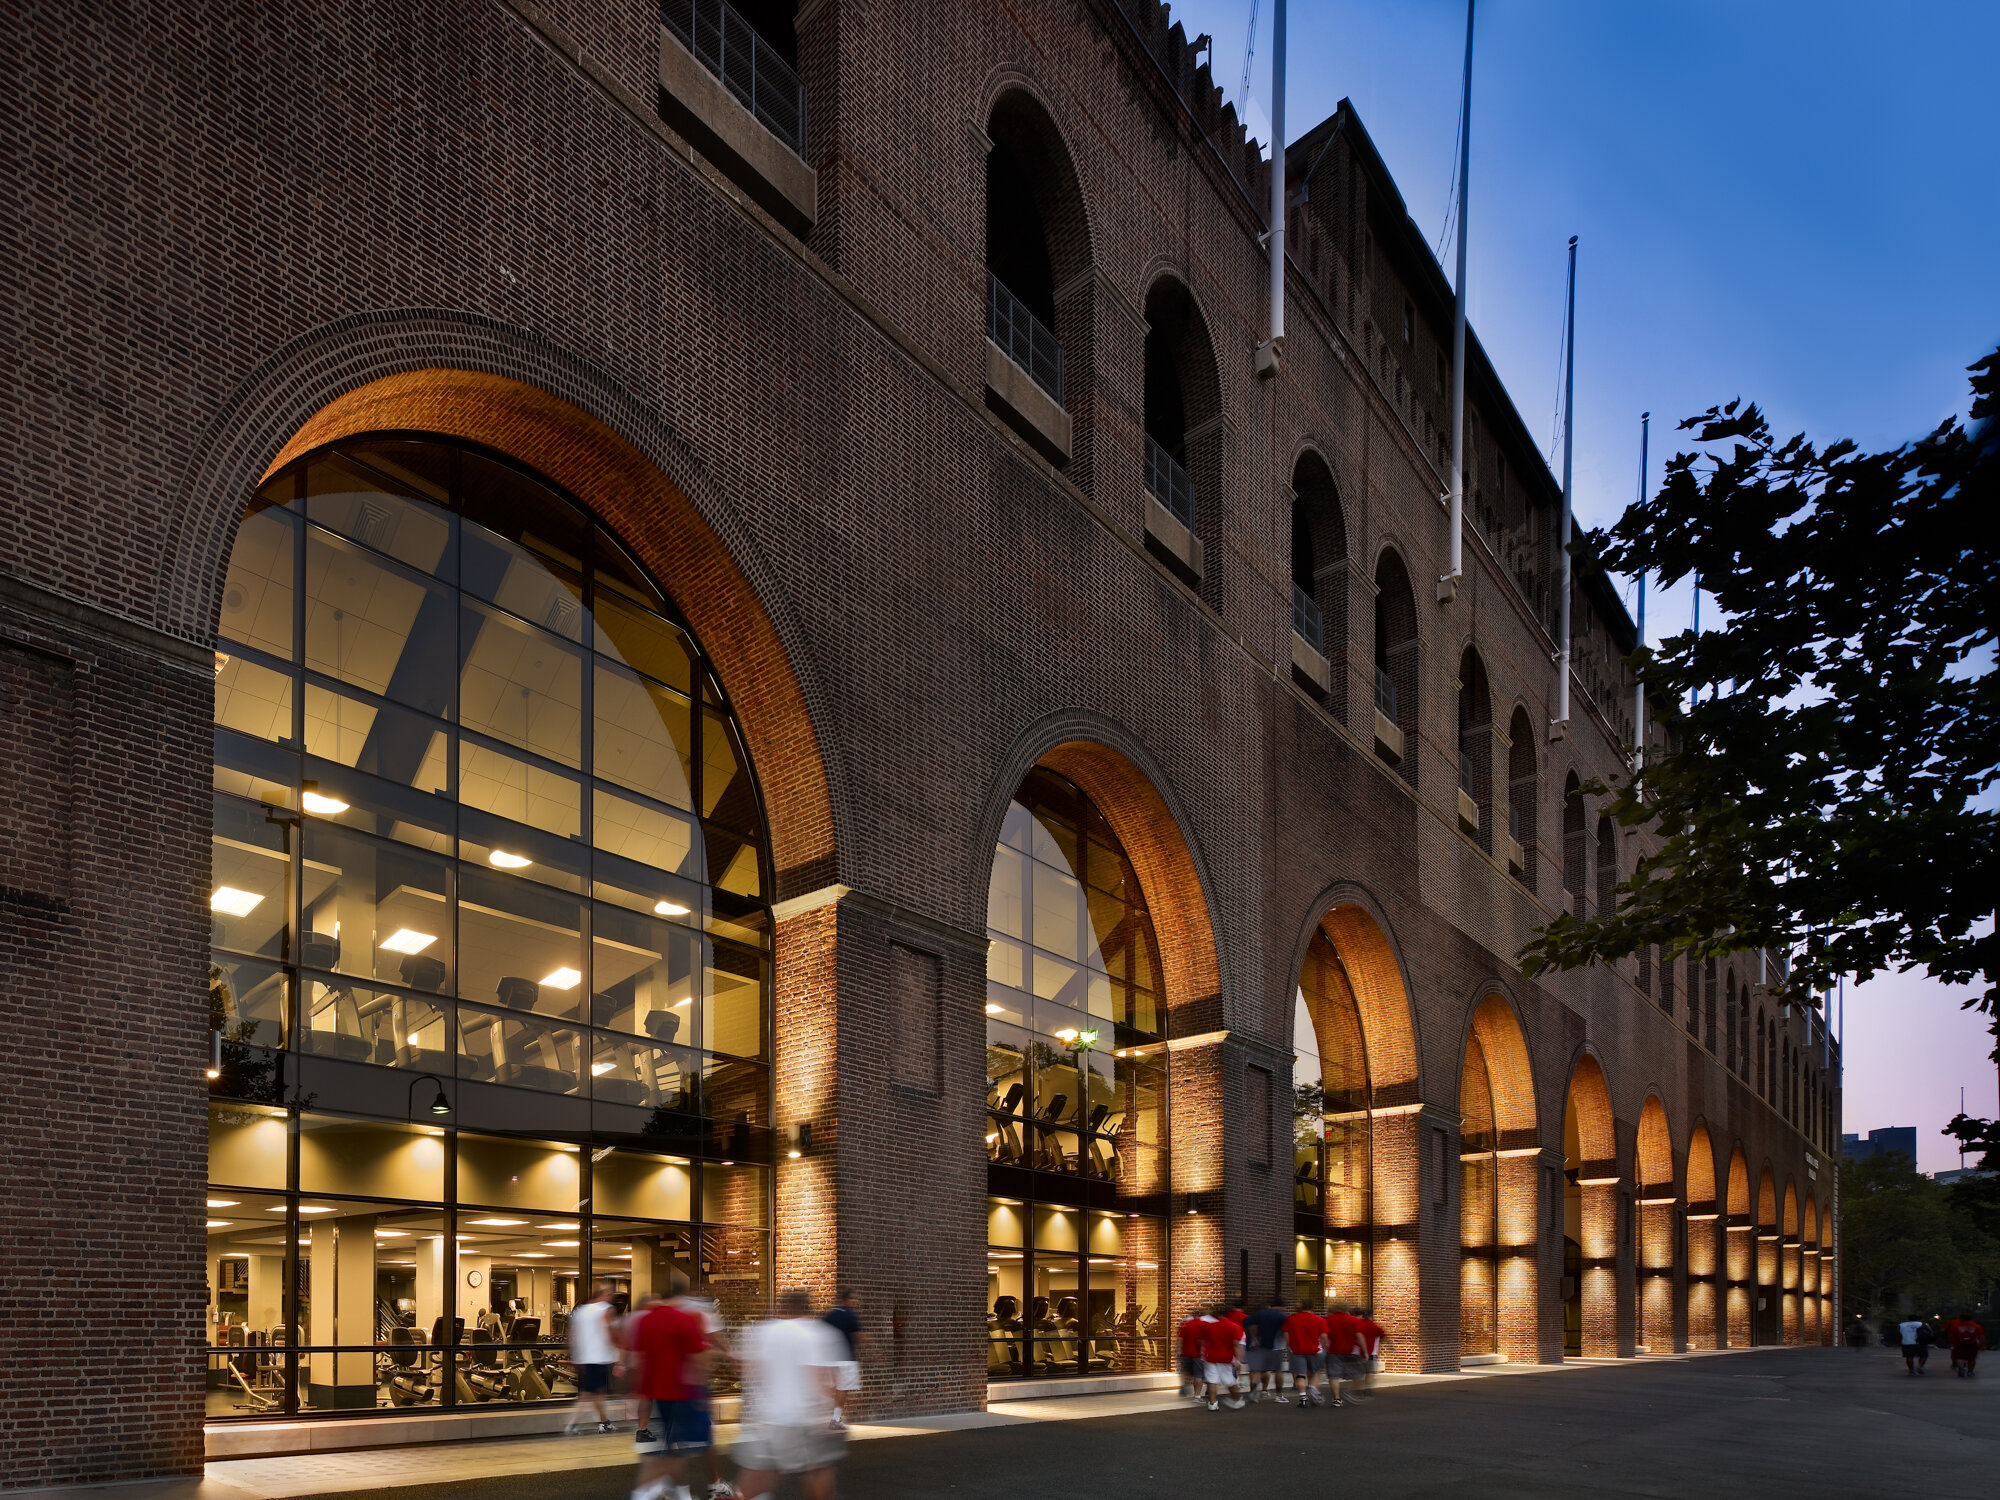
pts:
pixel 439 1106
pixel 798 1139
pixel 215 1054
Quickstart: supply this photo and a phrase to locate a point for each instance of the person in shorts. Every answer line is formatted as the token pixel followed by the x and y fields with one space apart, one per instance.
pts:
pixel 594 1356
pixel 1264 1351
pixel 1965 1338
pixel 1189 1334
pixel 844 1317
pixel 1916 1344
pixel 1221 1344
pixel 1344 1360
pixel 1305 1346
pixel 697 1298
pixel 790 1366
pixel 670 1347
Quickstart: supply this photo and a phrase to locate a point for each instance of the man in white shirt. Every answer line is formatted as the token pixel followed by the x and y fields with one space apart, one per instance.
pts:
pixel 1916 1344
pixel 789 1366
pixel 594 1357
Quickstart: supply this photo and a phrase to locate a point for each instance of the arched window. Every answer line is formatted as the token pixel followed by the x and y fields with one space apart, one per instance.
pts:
pixel 1763 1060
pixel 1319 572
pixel 1575 849
pixel 486 839
pixel 1729 1023
pixel 1076 1094
pixel 1396 659
pixel 1607 866
pixel 1183 440
pixel 1523 795
pixel 1037 245
pixel 1475 749
pixel 1331 1177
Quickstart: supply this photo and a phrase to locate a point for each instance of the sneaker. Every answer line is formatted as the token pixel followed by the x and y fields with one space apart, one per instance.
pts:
pixel 722 1489
pixel 643 1435
pixel 1236 1403
pixel 607 1427
pixel 1284 1400
pixel 1338 1402
pixel 1212 1406
pixel 838 1424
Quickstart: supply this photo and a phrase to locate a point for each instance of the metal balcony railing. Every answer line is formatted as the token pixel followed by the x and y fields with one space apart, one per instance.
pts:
pixel 749 67
pixel 1385 694
pixel 1305 620
pixel 1023 339
pixel 1169 483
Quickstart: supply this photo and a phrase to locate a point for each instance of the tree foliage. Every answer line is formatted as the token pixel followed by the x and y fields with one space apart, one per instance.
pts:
pixel 1906 1242
pixel 1828 741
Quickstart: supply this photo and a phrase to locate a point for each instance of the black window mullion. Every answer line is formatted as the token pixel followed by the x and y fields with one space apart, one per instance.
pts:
pixel 448 1258
pixel 288 1304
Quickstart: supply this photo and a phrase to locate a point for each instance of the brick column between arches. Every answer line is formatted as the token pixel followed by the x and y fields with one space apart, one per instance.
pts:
pixel 1656 1277
pixel 1602 1285
pixel 1706 1310
pixel 1740 1271
pixel 1789 1271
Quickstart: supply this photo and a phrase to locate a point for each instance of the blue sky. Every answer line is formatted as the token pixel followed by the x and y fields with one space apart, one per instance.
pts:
pixel 1787 201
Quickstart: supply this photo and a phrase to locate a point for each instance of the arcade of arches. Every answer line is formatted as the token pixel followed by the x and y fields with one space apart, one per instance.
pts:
pixel 489 833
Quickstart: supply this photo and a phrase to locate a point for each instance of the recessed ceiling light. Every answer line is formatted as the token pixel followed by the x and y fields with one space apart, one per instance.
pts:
pixel 234 903
pixel 217 1224
pixel 224 1202
pixel 533 1255
pixel 564 978
pixel 555 1226
pixel 671 908
pixel 392 1234
pixel 313 802
pixel 598 1070
pixel 407 940
pixel 307 1208
pixel 500 859
pixel 561 1244
pixel 992 1009
pixel 496 1223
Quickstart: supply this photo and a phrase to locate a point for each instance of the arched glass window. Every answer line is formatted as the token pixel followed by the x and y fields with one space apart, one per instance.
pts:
pixel 1331 1175
pixel 1076 1093
pixel 488 855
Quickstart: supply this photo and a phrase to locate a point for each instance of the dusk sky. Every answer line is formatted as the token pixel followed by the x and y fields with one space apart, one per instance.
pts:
pixel 1785 201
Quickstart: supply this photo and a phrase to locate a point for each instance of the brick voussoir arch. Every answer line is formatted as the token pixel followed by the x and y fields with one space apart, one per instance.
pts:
pixel 466 377
pixel 1118 774
pixel 1493 1015
pixel 1361 934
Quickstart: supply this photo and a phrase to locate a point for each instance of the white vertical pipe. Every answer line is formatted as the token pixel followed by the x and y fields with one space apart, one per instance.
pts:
pixel 1458 319
pixel 1562 533
pixel 1278 172
pixel 1639 686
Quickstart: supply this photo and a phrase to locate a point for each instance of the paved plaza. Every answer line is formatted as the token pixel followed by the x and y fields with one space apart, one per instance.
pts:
pixel 1762 1423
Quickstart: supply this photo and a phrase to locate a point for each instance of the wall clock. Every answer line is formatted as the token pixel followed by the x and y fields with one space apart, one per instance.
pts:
pixel 474 1278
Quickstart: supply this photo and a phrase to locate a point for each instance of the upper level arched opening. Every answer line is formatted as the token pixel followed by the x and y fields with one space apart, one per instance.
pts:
pixel 1475 748
pixel 1575 845
pixel 1397 658
pixel 1037 246
pixel 1523 797
pixel 1319 571
pixel 1183 407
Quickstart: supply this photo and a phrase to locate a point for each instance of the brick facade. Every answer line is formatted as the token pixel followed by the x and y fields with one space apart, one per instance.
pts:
pixel 233 240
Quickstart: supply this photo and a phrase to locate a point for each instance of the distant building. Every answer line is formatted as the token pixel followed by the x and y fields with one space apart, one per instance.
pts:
pixel 1959 1174
pixel 1881 1142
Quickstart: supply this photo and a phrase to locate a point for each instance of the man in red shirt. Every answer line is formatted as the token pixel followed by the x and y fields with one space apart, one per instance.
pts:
pixel 1190 1337
pixel 1965 1338
pixel 1305 1343
pixel 670 1346
pixel 1220 1340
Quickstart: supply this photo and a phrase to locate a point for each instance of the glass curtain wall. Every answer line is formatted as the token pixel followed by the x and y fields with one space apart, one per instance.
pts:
pixel 1076 1094
pixel 1479 1209
pixel 485 835
pixel 1332 1138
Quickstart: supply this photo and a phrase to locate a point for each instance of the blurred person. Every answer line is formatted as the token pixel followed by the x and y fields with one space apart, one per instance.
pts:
pixel 790 1367
pixel 1264 1351
pixel 1189 1334
pixel 844 1317
pixel 697 1299
pixel 671 1348
pixel 593 1353
pixel 1221 1346
pixel 1305 1346
pixel 1965 1339
pixel 1914 1340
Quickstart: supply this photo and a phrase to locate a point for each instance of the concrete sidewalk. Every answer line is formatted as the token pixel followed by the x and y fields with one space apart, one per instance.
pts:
pixel 375 1469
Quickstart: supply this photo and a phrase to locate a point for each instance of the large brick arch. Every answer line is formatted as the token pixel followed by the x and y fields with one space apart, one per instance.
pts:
pixel 1374 974
pixel 1658 1244
pixel 1516 1111
pixel 1597 1130
pixel 504 389
pixel 1705 1243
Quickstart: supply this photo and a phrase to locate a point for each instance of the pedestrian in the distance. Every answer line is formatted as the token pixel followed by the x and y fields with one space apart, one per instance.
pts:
pixel 790 1365
pixel 844 1317
pixel 1264 1351
pixel 1915 1344
pixel 1221 1345
pixel 594 1356
pixel 1305 1346
pixel 1927 1339
pixel 1965 1339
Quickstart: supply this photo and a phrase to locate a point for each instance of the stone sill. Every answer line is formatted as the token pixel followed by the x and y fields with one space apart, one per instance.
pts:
pixel 1079 1385
pixel 334 1435
pixel 1510 850
pixel 1313 669
pixel 1178 547
pixel 1388 738
pixel 1468 811
pixel 1011 393
pixel 695 103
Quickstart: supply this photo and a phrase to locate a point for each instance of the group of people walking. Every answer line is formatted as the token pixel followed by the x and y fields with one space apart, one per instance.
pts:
pixel 797 1370
pixel 1230 1357
pixel 1962 1336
